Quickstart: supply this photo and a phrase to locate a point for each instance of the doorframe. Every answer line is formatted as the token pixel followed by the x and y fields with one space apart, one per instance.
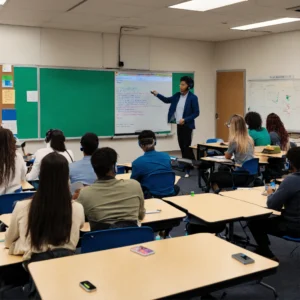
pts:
pixel 245 90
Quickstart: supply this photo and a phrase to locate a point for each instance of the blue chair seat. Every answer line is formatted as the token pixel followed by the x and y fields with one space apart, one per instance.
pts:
pixel 292 239
pixel 7 201
pixel 115 238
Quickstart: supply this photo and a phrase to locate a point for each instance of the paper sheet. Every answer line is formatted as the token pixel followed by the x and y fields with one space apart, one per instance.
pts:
pixel 7 68
pixel 8 96
pixel 32 96
pixel 11 125
pixel 7 81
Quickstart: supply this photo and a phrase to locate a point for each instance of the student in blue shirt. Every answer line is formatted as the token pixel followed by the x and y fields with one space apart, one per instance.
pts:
pixel 82 170
pixel 153 170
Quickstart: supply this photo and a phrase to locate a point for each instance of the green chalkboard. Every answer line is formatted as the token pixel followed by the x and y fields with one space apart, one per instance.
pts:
pixel 77 101
pixel 176 80
pixel 27 112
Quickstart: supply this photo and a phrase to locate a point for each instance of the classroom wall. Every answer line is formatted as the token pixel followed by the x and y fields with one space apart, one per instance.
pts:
pixel 34 46
pixel 276 54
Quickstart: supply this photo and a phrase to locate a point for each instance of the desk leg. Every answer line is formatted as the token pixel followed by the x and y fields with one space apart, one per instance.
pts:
pixel 260 282
pixel 230 232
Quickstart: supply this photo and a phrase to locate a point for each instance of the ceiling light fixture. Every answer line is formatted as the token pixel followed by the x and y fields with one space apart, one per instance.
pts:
pixel 267 23
pixel 204 5
pixel 2 2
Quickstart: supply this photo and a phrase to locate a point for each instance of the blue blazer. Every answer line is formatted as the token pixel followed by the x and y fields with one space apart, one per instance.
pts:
pixel 191 108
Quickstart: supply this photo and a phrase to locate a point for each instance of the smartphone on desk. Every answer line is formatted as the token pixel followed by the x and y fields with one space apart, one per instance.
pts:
pixel 87 286
pixel 142 251
pixel 243 258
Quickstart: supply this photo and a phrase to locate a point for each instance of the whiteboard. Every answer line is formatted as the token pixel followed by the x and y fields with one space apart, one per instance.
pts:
pixel 136 109
pixel 281 97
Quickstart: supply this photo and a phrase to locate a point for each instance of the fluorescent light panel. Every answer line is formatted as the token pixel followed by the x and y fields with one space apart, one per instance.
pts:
pixel 267 23
pixel 2 2
pixel 204 5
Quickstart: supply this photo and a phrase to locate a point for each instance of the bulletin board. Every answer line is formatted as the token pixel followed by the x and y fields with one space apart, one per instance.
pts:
pixel 2 88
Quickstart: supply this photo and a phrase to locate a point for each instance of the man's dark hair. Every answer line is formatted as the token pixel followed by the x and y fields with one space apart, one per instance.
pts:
pixel 146 137
pixel 188 80
pixel 89 143
pixel 293 156
pixel 104 160
pixel 50 212
pixel 57 141
pixel 253 120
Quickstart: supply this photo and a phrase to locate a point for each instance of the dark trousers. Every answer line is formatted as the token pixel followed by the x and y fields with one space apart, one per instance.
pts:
pixel 273 226
pixel 148 195
pixel 184 136
pixel 192 228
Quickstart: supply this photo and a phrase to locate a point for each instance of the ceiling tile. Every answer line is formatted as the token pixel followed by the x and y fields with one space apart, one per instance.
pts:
pixel 152 3
pixel 80 19
pixel 278 3
pixel 54 5
pixel 21 16
pixel 108 8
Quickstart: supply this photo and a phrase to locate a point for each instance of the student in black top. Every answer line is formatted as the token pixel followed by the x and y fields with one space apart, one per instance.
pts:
pixel 287 200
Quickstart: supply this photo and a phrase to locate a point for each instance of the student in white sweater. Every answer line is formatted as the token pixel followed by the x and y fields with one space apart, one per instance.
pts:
pixel 51 221
pixel 12 165
pixel 56 140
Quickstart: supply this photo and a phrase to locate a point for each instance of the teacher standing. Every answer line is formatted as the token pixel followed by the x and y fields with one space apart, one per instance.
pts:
pixel 183 111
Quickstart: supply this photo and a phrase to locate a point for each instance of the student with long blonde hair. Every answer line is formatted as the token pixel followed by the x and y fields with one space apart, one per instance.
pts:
pixel 241 148
pixel 241 145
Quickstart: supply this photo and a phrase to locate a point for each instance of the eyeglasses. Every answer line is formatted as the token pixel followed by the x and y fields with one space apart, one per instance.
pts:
pixel 227 124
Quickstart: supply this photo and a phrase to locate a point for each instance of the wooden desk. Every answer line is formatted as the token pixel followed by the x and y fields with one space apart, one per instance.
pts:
pixel 211 146
pixel 26 186
pixel 5 258
pixel 258 152
pixel 218 160
pixel 253 196
pixel 127 176
pixel 212 208
pixel 168 217
pixel 263 160
pixel 163 274
pixel 5 219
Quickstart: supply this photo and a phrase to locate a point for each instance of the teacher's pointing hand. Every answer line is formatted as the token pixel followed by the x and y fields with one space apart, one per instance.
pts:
pixel 155 93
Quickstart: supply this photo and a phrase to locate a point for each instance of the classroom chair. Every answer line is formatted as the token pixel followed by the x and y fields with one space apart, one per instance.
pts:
pixel 115 238
pixel 157 182
pixel 7 201
pixel 246 175
pixel 291 239
pixel 121 169
pixel 213 152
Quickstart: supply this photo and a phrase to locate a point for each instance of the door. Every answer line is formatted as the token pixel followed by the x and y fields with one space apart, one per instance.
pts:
pixel 230 99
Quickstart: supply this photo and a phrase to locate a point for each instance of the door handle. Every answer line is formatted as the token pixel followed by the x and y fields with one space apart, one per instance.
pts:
pixel 217 116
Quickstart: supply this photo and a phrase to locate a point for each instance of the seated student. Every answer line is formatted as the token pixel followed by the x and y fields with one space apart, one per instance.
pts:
pixel 277 131
pixel 240 146
pixel 258 133
pixel 50 221
pixel 287 200
pixel 153 162
pixel 12 166
pixel 82 170
pixel 110 202
pixel 56 139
